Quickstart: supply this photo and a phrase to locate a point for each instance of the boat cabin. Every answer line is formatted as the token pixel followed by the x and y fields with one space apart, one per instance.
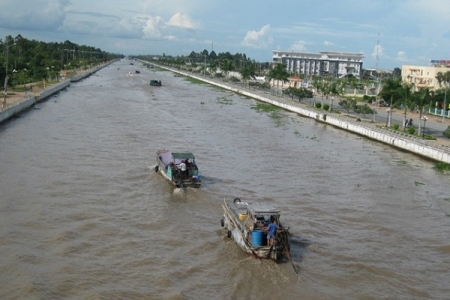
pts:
pixel 256 216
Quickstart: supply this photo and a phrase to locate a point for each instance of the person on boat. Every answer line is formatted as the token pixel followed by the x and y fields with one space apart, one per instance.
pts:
pixel 188 166
pixel 271 232
pixel 183 169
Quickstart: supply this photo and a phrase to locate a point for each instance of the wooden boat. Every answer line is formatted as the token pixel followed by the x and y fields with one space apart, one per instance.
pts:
pixel 247 223
pixel 169 164
pixel 155 82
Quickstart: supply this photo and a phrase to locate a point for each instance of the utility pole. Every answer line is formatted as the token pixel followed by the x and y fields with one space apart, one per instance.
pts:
pixel 445 100
pixel 5 87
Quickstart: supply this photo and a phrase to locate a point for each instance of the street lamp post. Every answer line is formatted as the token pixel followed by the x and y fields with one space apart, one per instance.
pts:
pixel 443 108
pixel 424 118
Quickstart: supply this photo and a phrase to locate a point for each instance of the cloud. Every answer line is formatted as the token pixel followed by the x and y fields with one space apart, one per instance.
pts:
pixel 327 43
pixel 401 56
pixel 299 46
pixel 170 38
pixel 377 51
pixel 128 28
pixel 182 20
pixel 151 28
pixel 258 39
pixel 38 15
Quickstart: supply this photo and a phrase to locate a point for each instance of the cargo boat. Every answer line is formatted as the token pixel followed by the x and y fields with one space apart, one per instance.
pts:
pixel 247 223
pixel 170 165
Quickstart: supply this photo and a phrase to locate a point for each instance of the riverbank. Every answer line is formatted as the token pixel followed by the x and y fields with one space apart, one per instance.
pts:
pixel 19 101
pixel 438 151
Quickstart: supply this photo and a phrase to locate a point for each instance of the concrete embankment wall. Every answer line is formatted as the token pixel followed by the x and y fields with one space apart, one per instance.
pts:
pixel 90 72
pixel 31 100
pixel 418 146
pixel 13 110
pixel 52 90
pixel 28 102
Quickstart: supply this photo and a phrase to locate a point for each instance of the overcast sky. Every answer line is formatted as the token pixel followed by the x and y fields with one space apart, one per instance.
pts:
pixel 403 31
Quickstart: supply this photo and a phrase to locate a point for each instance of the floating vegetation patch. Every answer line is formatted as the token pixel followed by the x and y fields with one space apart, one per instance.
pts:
pixel 274 115
pixel 297 133
pixel 441 167
pixel 202 102
pixel 447 199
pixel 417 183
pixel 193 80
pixel 401 162
pixel 157 69
pixel 224 100
pixel 265 107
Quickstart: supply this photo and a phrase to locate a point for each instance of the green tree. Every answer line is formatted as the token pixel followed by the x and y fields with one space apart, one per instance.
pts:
pixel 348 105
pixel 279 73
pixel 248 72
pixel 405 91
pixel 420 99
pixel 444 80
pixel 390 93
pixel 226 66
pixel 364 110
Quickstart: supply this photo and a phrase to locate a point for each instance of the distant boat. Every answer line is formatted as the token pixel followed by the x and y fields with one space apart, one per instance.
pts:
pixel 155 82
pixel 170 165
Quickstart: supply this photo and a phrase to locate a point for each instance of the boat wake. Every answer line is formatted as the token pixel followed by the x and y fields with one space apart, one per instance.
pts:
pixel 179 191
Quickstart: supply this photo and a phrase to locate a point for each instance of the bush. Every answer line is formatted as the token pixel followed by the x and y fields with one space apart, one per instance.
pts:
pixel 368 98
pixel 446 132
pixel 395 126
pixel 429 137
pixel 318 105
pixel 411 130
pixel 326 107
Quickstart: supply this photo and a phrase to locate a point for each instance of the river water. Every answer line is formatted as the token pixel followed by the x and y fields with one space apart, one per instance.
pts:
pixel 84 215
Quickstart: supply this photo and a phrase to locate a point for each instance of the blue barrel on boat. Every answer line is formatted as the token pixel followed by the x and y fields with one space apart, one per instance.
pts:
pixel 257 238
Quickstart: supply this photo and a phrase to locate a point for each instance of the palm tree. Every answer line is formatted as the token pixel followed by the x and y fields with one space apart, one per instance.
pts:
pixel 213 69
pixel 405 91
pixel 226 66
pixel 420 99
pixel 336 88
pixel 279 73
pixel 316 84
pixel 444 79
pixel 248 72
pixel 390 90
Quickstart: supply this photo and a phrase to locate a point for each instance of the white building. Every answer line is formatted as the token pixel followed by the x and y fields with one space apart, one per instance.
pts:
pixel 334 64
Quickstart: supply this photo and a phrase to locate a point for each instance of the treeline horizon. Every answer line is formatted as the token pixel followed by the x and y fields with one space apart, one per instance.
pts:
pixel 24 60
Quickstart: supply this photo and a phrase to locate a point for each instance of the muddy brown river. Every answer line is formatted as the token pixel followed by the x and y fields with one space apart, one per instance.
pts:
pixel 83 215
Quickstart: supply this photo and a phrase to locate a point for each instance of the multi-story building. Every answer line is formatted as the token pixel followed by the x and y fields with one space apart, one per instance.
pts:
pixel 334 64
pixel 425 76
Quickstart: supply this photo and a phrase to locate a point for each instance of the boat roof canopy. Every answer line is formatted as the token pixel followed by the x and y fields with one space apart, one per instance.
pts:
pixel 262 209
pixel 183 155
